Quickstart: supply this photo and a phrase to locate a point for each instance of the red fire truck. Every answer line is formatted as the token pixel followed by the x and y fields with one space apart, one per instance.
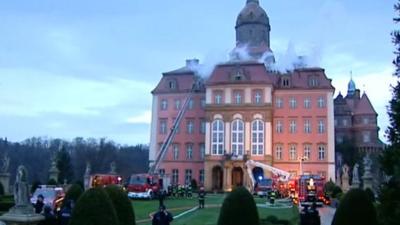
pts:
pixel 307 189
pixel 102 180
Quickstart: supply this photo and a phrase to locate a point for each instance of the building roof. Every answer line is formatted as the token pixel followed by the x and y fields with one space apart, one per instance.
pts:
pixel 252 13
pixel 364 106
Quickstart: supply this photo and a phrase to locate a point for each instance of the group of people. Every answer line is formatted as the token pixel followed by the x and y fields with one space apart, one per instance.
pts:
pixel 163 217
pixel 180 191
pixel 53 217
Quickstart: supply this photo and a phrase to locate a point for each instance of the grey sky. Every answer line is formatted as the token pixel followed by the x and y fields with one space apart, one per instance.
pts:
pixel 86 68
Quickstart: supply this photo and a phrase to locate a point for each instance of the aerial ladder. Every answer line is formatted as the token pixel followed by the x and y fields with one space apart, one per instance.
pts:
pixel 197 85
pixel 250 164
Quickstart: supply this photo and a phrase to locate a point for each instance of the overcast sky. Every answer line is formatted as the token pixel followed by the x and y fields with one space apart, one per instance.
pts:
pixel 86 68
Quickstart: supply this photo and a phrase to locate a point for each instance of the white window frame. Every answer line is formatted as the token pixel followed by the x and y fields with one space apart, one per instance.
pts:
pixel 292 152
pixel 164 104
pixel 177 104
pixel 189 151
pixel 188 176
pixel 218 98
pixel 292 126
pixel 307 152
pixel 292 103
pixel 202 150
pixel 217 137
pixel 278 151
pixel 279 126
pixel 257 137
pixel 175 151
pixel 175 176
pixel 307 103
pixel 257 97
pixel 321 102
pixel 307 126
pixel 190 103
pixel 163 126
pixel 237 138
pixel 190 126
pixel 238 98
pixel 321 126
pixel 202 126
pixel 321 152
pixel 366 136
pixel 279 103
pixel 201 176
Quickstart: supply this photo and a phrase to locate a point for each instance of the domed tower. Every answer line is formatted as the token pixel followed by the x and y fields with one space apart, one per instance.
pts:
pixel 351 88
pixel 253 29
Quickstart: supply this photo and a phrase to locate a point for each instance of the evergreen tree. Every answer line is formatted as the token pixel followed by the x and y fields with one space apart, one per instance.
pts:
pixel 64 166
pixel 355 208
pixel 122 205
pixel 94 207
pixel 389 209
pixel 239 208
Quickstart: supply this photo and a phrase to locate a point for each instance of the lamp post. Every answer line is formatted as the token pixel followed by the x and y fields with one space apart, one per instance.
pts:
pixel 301 159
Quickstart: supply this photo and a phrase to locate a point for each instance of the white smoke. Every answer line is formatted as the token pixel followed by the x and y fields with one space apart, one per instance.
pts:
pixel 240 53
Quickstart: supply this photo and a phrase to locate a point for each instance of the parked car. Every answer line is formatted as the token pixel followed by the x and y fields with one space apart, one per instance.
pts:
pixel 53 196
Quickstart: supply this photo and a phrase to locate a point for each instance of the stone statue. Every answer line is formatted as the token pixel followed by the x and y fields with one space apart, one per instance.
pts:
pixel 88 169
pixel 345 170
pixel 355 173
pixel 113 167
pixel 21 188
pixel 367 162
pixel 6 163
pixel 345 177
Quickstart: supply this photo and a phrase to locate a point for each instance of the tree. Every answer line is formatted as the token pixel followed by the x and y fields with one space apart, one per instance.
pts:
pixel 122 205
pixel 73 193
pixel 239 208
pixel 349 152
pixel 389 209
pixel 355 208
pixel 94 207
pixel 64 166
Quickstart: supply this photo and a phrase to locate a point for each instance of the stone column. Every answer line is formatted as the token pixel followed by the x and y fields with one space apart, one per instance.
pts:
pixel 53 171
pixel 367 177
pixel 86 177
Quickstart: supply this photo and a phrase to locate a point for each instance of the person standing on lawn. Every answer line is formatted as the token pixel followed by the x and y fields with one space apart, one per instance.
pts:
pixel 201 196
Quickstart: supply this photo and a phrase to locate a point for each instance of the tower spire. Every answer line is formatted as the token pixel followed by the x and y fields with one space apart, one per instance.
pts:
pixel 255 1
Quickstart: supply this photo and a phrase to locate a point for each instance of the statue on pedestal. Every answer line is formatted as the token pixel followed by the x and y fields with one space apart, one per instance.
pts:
pixel 5 164
pixel 113 168
pixel 21 188
pixel 345 177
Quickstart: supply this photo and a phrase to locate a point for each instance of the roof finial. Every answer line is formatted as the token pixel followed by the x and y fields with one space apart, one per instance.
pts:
pixel 255 1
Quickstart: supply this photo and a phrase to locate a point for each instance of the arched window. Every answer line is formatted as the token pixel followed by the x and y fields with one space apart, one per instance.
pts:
pixel 217 137
pixel 257 137
pixel 237 137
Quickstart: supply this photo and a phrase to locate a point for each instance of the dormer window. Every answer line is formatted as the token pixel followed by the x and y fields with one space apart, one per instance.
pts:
pixel 313 81
pixel 285 82
pixel 238 77
pixel 172 84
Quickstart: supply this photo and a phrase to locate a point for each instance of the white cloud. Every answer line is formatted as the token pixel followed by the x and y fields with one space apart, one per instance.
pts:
pixel 144 117
pixel 30 93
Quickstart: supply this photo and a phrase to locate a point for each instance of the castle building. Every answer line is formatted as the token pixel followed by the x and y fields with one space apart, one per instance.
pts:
pixel 245 110
pixel 356 121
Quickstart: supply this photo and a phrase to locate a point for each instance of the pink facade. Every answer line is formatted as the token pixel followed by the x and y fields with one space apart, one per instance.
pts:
pixel 245 110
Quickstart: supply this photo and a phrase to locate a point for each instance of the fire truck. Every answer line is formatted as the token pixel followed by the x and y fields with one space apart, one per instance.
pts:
pixel 150 184
pixel 307 189
pixel 102 180
pixel 263 186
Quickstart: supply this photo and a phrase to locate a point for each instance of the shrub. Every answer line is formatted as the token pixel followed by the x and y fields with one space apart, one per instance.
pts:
pixel 73 193
pixel 336 190
pixel 370 194
pixel 239 208
pixel 328 187
pixel 273 220
pixel 355 208
pixel 94 207
pixel 52 182
pixel 122 205
pixel 1 189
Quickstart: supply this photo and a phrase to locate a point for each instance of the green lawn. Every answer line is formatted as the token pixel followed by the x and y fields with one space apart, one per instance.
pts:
pixel 208 216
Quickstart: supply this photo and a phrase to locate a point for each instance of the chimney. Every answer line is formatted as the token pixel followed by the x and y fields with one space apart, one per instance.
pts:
pixel 192 62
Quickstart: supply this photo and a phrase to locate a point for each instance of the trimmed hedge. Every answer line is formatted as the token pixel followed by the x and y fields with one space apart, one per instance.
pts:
pixel 239 208
pixel 273 220
pixel 122 205
pixel 94 207
pixel 73 193
pixel 355 208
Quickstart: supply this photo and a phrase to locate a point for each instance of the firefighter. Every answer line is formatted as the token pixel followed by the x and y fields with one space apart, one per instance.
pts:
pixel 272 197
pixel 201 196
pixel 180 191
pixel 175 191
pixel 189 191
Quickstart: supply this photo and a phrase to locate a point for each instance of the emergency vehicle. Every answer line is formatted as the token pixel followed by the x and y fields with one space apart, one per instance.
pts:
pixel 102 180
